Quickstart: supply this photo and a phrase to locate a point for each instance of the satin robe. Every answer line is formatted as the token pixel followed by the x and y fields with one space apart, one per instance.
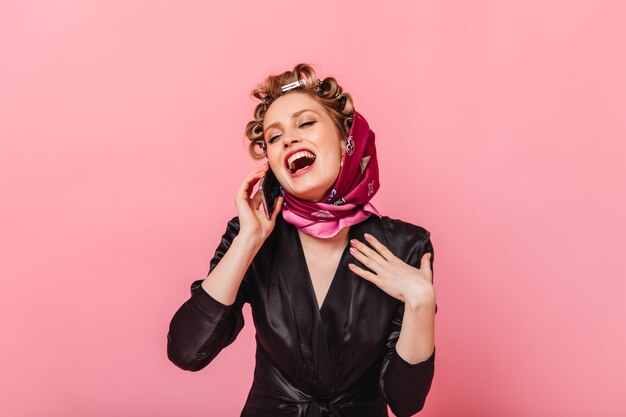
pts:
pixel 338 360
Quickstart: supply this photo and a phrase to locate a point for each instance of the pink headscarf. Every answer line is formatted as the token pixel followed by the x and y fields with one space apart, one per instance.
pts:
pixel 348 201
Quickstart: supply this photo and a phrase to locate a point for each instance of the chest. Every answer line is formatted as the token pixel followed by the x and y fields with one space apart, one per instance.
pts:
pixel 322 267
pixel 314 317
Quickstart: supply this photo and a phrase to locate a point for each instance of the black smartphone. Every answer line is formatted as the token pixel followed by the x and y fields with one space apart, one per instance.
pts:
pixel 270 190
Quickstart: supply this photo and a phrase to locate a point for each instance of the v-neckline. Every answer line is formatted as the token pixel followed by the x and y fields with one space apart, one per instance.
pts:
pixel 309 279
pixel 322 332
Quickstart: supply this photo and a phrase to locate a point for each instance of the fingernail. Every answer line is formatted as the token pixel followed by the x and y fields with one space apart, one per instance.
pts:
pixel 353 241
pixel 367 235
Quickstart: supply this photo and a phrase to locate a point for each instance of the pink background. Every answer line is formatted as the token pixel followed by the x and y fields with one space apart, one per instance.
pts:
pixel 500 128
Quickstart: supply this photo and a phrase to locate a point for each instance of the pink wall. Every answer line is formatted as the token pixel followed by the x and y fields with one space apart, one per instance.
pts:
pixel 500 126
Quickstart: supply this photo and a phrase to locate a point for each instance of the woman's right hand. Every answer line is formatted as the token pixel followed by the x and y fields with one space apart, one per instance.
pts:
pixel 253 224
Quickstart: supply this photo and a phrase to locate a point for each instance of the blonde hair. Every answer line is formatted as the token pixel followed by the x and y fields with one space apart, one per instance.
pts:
pixel 327 92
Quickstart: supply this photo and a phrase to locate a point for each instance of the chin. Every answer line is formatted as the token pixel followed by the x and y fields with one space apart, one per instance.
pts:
pixel 309 187
pixel 309 194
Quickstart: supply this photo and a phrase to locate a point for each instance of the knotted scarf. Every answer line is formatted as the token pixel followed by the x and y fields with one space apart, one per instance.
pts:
pixel 347 203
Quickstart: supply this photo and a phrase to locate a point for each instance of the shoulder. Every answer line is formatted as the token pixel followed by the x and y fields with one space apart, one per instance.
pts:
pixel 234 223
pixel 406 240
pixel 232 230
pixel 400 228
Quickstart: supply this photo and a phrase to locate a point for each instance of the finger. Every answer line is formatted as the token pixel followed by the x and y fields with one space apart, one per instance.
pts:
pixel 371 277
pixel 425 266
pixel 257 200
pixel 250 180
pixel 262 171
pixel 425 263
pixel 263 168
pixel 380 248
pixel 367 251
pixel 277 208
pixel 247 185
pixel 370 263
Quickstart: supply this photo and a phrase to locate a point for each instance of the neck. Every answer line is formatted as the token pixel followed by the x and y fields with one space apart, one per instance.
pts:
pixel 338 241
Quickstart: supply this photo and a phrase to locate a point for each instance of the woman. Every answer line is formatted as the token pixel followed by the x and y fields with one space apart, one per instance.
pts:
pixel 371 343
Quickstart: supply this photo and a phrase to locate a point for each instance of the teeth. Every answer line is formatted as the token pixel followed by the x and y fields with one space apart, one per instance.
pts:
pixel 301 154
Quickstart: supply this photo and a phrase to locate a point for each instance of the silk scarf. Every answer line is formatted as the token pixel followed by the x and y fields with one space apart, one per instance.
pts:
pixel 347 203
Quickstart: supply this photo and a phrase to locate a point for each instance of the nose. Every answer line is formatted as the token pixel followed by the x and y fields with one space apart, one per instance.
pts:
pixel 288 140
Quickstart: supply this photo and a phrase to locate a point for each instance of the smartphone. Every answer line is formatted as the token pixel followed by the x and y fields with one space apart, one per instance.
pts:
pixel 270 190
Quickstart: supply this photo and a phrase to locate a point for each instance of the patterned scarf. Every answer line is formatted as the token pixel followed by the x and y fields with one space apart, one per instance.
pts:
pixel 348 201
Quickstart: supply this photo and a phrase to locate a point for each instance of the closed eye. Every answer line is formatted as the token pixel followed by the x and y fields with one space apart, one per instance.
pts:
pixel 273 138
pixel 305 124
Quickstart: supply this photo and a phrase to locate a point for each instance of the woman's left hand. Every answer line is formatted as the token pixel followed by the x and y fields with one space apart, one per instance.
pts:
pixel 392 275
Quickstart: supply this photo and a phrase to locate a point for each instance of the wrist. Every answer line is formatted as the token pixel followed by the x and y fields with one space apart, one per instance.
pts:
pixel 248 242
pixel 421 302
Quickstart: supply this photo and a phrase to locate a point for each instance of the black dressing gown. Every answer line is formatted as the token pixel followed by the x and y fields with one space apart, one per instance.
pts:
pixel 337 361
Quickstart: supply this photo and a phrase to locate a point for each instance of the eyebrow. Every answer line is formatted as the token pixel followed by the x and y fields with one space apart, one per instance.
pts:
pixel 293 116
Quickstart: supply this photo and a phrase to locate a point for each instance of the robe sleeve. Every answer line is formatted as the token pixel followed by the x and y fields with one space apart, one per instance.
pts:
pixel 405 385
pixel 203 326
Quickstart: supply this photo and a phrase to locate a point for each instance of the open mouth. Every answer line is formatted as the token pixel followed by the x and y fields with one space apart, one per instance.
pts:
pixel 299 161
